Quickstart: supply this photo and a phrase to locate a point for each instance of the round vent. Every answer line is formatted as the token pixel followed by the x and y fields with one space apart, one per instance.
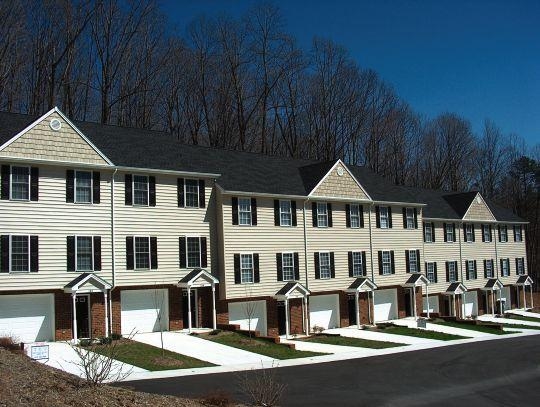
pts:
pixel 340 171
pixel 55 124
pixel 478 199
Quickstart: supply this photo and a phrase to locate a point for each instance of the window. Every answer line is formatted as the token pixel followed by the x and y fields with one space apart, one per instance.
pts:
pixel 142 252
pixel 285 213
pixel 20 253
pixel 358 267
pixel 20 183
pixel 409 218
pixel 449 232
pixel 83 187
pixel 85 253
pixel 503 233
pixel 386 262
pixel 469 232
pixel 488 271
pixel 486 233
pixel 288 266
pixel 354 215
pixel 383 217
pixel 428 232
pixel 430 272
pixel 322 215
pixel 505 267
pixel 244 211
pixel 452 271
pixel 413 261
pixel 471 270
pixel 193 252
pixel 192 193
pixel 518 234
pixel 246 268
pixel 140 190
pixel 324 265
pixel 520 266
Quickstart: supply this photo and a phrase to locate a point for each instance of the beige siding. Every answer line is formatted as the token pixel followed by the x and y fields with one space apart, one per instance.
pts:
pixel 478 210
pixel 52 219
pixel 42 143
pixel 478 251
pixel 336 186
pixel 512 250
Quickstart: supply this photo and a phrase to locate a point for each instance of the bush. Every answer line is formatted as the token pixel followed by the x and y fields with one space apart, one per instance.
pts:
pixel 106 340
pixel 116 336
pixel 8 343
pixel 85 342
pixel 215 332
pixel 317 329
pixel 219 398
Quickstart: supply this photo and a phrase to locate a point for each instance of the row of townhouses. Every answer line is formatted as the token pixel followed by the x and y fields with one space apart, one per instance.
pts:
pixel 108 229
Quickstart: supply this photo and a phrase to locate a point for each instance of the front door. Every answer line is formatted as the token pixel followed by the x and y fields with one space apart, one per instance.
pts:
pixel 351 305
pixel 408 304
pixel 193 309
pixel 82 307
pixel 282 318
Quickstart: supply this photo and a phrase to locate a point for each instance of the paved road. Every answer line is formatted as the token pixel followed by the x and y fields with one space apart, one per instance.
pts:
pixel 502 372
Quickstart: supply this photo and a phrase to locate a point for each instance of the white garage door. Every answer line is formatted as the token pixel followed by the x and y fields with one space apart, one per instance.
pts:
pixel 324 311
pixel 433 304
pixel 505 298
pixel 27 318
pixel 471 303
pixel 385 305
pixel 249 315
pixel 142 310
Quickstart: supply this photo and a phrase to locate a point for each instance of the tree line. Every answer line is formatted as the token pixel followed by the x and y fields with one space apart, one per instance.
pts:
pixel 245 83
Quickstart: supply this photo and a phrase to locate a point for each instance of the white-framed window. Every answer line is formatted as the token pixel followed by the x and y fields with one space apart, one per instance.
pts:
pixel 409 218
pixel 505 267
pixel 428 232
pixel 141 190
pixel 469 232
pixel 430 272
pixel 354 215
pixel 287 262
pixel 449 231
pixel 452 272
pixel 84 253
pixel 285 213
pixel 142 252
pixel 193 252
pixel 489 269
pixel 520 266
pixel 518 234
pixel 324 265
pixel 19 255
pixel 413 262
pixel 486 232
pixel 471 273
pixel 383 217
pixel 191 191
pixel 504 233
pixel 386 262
pixel 246 268
pixel 83 187
pixel 358 266
pixel 20 183
pixel 322 215
pixel 244 211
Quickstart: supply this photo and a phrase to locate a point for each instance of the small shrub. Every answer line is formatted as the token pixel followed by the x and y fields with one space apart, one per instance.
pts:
pixel 116 336
pixel 9 343
pixel 194 334
pixel 219 398
pixel 85 342
pixel 317 329
pixel 215 332
pixel 106 340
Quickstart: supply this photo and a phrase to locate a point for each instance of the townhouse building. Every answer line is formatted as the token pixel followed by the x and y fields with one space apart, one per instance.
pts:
pixel 109 229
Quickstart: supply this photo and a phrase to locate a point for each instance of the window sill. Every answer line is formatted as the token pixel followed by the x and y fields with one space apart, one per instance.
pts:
pixel 20 272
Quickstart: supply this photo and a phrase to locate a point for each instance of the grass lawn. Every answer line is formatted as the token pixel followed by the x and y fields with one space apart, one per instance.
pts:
pixel 346 341
pixel 480 328
pixel 522 318
pixel 519 326
pixel 419 333
pixel 257 345
pixel 150 357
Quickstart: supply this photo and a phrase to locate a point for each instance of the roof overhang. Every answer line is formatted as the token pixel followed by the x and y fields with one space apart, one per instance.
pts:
pixel 493 284
pixel 362 284
pixel 197 278
pixel 416 280
pixel 455 289
pixel 524 281
pixel 87 283
pixel 292 290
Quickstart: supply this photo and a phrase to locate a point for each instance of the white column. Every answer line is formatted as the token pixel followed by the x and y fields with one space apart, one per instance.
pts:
pixel 524 299
pixel 106 313
pixel 356 294
pixel 307 315
pixel 532 300
pixel 369 303
pixel 214 318
pixel 492 302
pixel 463 305
pixel 189 307
pixel 74 299
pixel 414 301
pixel 304 315
pixel 287 327
pixel 427 299
pixel 455 308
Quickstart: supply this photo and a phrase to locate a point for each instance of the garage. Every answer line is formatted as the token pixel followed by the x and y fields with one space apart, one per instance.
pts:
pixel 249 315
pixel 433 304
pixel 324 311
pixel 27 317
pixel 143 310
pixel 471 303
pixel 385 304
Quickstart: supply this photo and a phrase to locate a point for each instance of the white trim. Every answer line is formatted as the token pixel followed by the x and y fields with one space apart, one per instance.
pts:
pixel 135 253
pixel 282 268
pixel 382 261
pixel 250 212
pixel 252 267
pixel 76 250
pixel 456 220
pixel 327 217
pixel 485 204
pixel 290 212
pixel 329 265
pixel 360 215
pixel 185 193
pixel 11 251
pixel 361 263
pixel 11 183
pixel 91 187
pixel 133 190
pixel 200 251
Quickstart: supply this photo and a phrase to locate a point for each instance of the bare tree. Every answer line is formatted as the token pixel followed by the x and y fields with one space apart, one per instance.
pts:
pixel 262 387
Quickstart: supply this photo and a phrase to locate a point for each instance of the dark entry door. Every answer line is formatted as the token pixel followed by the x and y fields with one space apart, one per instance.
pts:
pixel 193 310
pixel 447 306
pixel 82 307
pixel 408 303
pixel 282 318
pixel 351 305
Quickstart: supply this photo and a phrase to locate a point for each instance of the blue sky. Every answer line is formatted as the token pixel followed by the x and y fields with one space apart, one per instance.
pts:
pixel 480 59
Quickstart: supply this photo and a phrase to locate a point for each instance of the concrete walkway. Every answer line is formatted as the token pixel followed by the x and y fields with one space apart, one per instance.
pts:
pixel 201 349
pixel 524 313
pixel 411 323
pixel 353 332
pixel 509 321
pixel 322 347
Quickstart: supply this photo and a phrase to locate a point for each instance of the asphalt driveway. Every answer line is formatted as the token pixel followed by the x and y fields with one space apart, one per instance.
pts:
pixel 501 372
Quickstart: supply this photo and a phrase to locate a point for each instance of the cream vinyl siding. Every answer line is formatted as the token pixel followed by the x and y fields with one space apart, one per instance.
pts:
pixel 52 219
pixel 512 250
pixel 478 251
pixel 167 222
pixel 264 239
pixel 478 211
pixel 337 186
pixel 397 239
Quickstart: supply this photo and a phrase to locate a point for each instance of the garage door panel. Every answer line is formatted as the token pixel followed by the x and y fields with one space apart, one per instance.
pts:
pixel 385 304
pixel 433 304
pixel 324 311
pixel 240 313
pixel 28 317
pixel 471 303
pixel 140 310
pixel 505 298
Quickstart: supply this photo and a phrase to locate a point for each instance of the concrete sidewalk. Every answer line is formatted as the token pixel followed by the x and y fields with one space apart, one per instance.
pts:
pixel 508 321
pixel 201 349
pixel 353 332
pixel 411 323
pixel 524 313
pixel 323 347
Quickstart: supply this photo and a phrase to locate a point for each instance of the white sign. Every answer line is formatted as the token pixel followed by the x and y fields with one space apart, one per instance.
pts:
pixel 39 352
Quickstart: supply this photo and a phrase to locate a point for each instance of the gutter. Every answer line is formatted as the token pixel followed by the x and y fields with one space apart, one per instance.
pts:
pixel 113 252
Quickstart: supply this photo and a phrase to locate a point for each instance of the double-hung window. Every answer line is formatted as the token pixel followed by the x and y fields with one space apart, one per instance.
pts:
pixel 452 272
pixel 428 232
pixel 322 215
pixel 354 215
pixel 471 270
pixel 409 218
pixel 358 267
pixel 142 252
pixel 386 262
pixel 520 266
pixel 84 253
pixel 430 272
pixel 287 264
pixel 449 229
pixel 191 188
pixel 20 183
pixel 246 268
pixel 140 190
pixel 518 234
pixel 285 213
pixel 324 265
pixel 384 218
pixel 83 186
pixel 503 233
pixel 193 251
pixel 244 211
pixel 413 261
pixel 505 267
pixel 489 269
pixel 486 233
pixel 20 253
pixel 469 232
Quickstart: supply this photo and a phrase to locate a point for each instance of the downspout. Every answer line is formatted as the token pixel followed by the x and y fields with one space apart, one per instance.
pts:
pixel 371 264
pixel 113 259
pixel 496 254
pixel 306 308
pixel 460 228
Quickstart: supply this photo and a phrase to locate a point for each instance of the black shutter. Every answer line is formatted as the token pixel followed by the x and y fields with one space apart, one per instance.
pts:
pixel 34 184
pixel 418 260
pixel 254 211
pixel 390 217
pixel 464 232
pixel 152 190
pixel 316 263
pixel 351 266
pixel 517 268
pixel 407 262
pixel 182 251
pixel 348 215
pixel 204 253
pixel 257 277
pixel 424 230
pixel 433 232
pixel 466 271
pixel 70 186
pixel 202 194
pixel 435 271
pixel 237 277
pixel 485 269
pixel 364 265
pixel 314 214
pixel 377 217
pixel 415 218
pixel 501 266
pixel 475 270
pixel 404 210
pixel 392 261
pixel 5 182
pixel 454 237
pixel 129 253
pixel 279 267
pixel 293 212
pixel 483 234
pixel 153 253
pixel 296 266
pixel 380 263
pixel 234 203
pixel 473 233
pixel 277 221
pixel 361 211
pixel 128 189
pixel 96 187
pixel 329 210
pixel 332 266
pixel 34 254
pixel 70 253
pixel 180 192
pixel 447 272
pixel 97 253
pixel 444 232
pixel 4 259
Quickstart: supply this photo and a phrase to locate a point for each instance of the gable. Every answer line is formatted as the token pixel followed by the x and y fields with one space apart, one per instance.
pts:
pixel 335 185
pixel 43 143
pixel 478 210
